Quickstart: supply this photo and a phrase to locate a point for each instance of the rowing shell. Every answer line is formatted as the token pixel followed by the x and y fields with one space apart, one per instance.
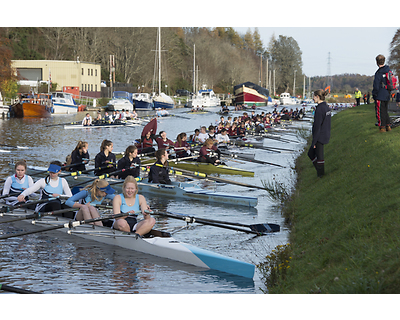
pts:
pixel 103 125
pixel 181 190
pixel 160 244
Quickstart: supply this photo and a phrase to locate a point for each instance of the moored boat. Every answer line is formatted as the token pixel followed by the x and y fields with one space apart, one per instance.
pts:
pixel 204 98
pixel 286 99
pixel 39 106
pixel 64 103
pixel 250 94
pixel 121 100
pixel 157 243
pixel 142 101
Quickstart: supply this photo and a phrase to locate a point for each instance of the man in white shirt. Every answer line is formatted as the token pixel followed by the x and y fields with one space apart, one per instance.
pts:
pixel 203 135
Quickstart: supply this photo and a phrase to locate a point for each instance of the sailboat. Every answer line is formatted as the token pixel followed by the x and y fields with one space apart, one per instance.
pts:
pixel 161 100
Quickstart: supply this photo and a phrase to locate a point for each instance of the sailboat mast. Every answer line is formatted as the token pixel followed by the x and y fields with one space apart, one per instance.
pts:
pixel 194 68
pixel 159 60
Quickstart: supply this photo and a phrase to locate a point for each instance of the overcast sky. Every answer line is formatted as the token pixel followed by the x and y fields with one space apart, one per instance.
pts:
pixel 352 49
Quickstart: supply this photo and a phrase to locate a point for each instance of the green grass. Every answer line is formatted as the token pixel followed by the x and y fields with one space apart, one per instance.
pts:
pixel 345 227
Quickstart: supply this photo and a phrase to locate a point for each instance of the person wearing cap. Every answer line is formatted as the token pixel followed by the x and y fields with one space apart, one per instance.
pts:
pixel 88 197
pixel 50 187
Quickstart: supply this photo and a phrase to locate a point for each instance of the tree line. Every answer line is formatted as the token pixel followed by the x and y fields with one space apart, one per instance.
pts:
pixel 224 58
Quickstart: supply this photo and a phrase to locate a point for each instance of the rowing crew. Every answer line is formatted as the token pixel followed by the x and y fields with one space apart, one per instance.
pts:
pixel 52 187
pixel 115 117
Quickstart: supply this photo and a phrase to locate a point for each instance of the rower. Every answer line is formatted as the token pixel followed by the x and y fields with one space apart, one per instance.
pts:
pixel 80 157
pixel 182 147
pixel 203 136
pixel 147 143
pixel 87 198
pixel 130 162
pixel 241 130
pixel 204 154
pixel 163 142
pixel 17 183
pixel 51 186
pixel 87 121
pixel 105 158
pixel 223 139
pixel 159 170
pixel 130 202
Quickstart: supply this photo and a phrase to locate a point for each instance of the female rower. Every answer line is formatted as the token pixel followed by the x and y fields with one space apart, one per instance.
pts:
pixel 131 202
pixel 51 186
pixel 86 199
pixel 131 162
pixel 17 183
pixel 87 120
pixel 204 154
pixel 182 147
pixel 105 159
pixel 159 170
pixel 147 144
pixel 80 156
pixel 163 142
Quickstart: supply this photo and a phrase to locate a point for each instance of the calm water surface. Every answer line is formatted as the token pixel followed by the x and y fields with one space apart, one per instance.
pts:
pixel 54 262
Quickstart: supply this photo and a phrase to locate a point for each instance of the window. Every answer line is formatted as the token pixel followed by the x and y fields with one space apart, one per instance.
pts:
pixel 91 72
pixel 95 73
pixel 95 87
pixel 82 87
pixel 88 72
pixel 82 71
pixel 91 87
pixel 85 87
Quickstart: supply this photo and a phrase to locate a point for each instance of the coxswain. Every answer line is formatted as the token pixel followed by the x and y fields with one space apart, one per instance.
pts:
pixel 130 162
pixel 211 132
pixel 86 199
pixel 17 183
pixel 87 121
pixel 105 159
pixel 50 187
pixel 182 147
pixel 163 142
pixel 205 151
pixel 159 170
pixel 79 157
pixel 129 201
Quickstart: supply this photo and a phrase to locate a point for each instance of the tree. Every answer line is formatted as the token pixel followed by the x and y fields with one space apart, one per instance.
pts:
pixel 394 58
pixel 286 59
pixel 7 74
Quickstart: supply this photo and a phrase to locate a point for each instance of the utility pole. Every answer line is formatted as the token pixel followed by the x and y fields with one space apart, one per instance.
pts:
pixel 294 84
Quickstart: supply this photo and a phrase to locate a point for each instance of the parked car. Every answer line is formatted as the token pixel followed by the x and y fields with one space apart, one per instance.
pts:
pixel 182 92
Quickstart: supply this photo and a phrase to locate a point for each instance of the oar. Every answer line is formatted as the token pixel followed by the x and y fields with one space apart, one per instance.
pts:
pixel 10 194
pixel 252 160
pixel 200 175
pixel 15 289
pixel 258 229
pixel 62 124
pixel 63 167
pixel 38 215
pixel 8 208
pixel 15 147
pixel 71 224
pixel 103 176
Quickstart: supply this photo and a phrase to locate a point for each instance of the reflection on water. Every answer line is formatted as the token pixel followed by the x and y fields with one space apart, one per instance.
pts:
pixel 54 262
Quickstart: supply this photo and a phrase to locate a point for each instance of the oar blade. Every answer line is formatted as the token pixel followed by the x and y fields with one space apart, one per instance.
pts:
pixel 265 227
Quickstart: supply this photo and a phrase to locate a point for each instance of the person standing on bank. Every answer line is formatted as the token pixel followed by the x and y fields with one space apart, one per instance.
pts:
pixel 357 94
pixel 321 131
pixel 381 95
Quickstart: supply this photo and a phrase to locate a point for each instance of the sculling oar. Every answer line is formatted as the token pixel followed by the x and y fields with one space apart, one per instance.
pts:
pixel 38 215
pixel 15 289
pixel 69 225
pixel 258 229
pixel 250 160
pixel 8 208
pixel 10 194
pixel 62 124
pixel 62 168
pixel 200 175
pixel 103 176
pixel 15 147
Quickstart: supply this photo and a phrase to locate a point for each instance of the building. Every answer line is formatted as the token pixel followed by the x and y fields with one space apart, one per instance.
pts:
pixel 83 78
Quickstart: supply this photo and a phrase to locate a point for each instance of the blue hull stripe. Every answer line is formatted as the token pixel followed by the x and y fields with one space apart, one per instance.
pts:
pixel 219 262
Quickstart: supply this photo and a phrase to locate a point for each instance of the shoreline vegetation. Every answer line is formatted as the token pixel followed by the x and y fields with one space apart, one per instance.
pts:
pixel 344 226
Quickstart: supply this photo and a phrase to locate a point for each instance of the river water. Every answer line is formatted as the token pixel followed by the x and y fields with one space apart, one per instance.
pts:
pixel 54 262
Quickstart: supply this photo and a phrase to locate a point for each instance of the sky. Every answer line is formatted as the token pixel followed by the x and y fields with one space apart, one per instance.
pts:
pixel 352 49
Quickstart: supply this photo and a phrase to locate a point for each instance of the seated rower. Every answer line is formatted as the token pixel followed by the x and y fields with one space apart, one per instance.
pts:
pixel 131 202
pixel 105 158
pixel 87 121
pixel 51 186
pixel 203 135
pixel 182 147
pixel 204 154
pixel 17 183
pixel 147 144
pixel 223 139
pixel 80 157
pixel 159 170
pixel 163 142
pixel 88 197
pixel 131 162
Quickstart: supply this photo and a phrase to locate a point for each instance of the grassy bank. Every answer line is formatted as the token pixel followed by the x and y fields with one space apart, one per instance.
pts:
pixel 345 227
